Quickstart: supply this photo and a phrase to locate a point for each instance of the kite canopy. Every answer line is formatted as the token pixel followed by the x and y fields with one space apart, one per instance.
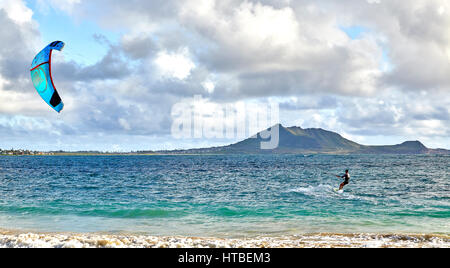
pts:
pixel 41 75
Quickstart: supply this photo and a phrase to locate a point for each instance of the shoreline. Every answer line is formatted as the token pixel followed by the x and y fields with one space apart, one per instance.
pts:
pixel 21 239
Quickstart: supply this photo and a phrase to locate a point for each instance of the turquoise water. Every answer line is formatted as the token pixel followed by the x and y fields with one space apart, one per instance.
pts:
pixel 225 196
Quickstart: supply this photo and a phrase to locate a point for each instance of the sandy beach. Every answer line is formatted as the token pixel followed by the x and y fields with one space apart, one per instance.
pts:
pixel 10 239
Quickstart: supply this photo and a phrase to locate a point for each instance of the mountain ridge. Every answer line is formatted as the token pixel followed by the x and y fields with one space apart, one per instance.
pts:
pixel 296 140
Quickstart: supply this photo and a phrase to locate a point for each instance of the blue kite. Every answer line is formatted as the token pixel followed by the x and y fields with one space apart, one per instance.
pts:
pixel 41 75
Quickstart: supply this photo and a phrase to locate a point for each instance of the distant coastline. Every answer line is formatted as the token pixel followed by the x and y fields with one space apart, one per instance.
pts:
pixel 292 140
pixel 13 152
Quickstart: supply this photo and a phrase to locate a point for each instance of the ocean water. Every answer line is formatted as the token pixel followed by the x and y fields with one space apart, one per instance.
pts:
pixel 225 196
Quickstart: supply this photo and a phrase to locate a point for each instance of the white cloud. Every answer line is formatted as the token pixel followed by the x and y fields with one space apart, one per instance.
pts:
pixel 208 86
pixel 17 11
pixel 177 65
pixel 64 5
pixel 123 122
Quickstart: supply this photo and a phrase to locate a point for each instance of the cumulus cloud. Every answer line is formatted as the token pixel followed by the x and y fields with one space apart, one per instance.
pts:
pixel 391 79
pixel 16 11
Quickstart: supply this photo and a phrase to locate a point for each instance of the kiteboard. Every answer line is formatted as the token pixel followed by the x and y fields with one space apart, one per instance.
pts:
pixel 338 191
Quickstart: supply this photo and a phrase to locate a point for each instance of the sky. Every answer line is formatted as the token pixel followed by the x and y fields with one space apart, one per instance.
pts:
pixel 375 71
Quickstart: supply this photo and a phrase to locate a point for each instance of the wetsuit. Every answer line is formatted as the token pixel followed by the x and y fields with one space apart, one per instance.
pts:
pixel 346 178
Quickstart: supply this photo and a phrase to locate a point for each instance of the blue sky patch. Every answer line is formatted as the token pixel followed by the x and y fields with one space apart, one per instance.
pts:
pixel 81 46
pixel 354 32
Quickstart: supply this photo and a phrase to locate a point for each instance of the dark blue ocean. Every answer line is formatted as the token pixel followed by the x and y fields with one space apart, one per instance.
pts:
pixel 225 196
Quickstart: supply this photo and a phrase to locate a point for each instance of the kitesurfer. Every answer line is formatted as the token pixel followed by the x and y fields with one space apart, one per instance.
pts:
pixel 346 178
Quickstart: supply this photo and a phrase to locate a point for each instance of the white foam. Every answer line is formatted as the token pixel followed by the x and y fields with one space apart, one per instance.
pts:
pixel 323 191
pixel 35 240
pixel 313 190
